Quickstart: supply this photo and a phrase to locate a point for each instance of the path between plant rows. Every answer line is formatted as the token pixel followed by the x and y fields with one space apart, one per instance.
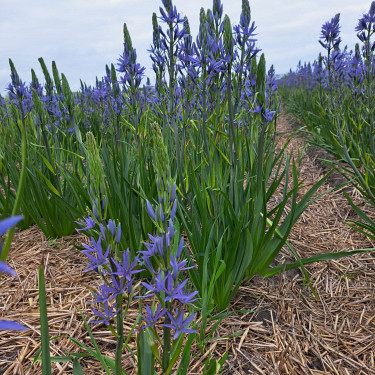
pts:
pixel 288 332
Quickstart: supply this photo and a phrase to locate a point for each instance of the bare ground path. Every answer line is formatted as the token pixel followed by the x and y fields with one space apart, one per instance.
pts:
pixel 334 335
pixel 288 332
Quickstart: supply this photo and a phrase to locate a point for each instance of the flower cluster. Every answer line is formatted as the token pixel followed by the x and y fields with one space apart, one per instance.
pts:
pixel 127 64
pixel 366 24
pixel 330 33
pixel 114 266
pixel 19 94
pixel 163 259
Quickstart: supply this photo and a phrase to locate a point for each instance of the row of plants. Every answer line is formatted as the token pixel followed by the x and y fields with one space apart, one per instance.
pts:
pixel 138 168
pixel 334 99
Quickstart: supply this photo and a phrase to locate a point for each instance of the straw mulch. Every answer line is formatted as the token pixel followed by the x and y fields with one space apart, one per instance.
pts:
pixel 276 325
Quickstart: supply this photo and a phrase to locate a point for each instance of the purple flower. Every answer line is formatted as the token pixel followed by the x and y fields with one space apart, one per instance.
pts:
pixel 102 296
pixel 157 286
pixel 150 211
pixel 269 115
pixel 172 17
pixel 217 9
pixel 367 22
pixel 8 325
pixel 5 268
pixel 88 223
pixel 109 313
pixel 174 209
pixel 330 33
pixel 258 109
pixel 112 227
pixel 175 291
pixel 102 231
pixel 173 193
pixel 177 267
pixel 126 268
pixel 116 287
pixel 118 234
pixel 99 258
pixel 151 317
pixel 6 224
pixel 179 324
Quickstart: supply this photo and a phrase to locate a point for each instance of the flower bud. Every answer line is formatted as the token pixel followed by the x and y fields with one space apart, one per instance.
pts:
pixel 228 36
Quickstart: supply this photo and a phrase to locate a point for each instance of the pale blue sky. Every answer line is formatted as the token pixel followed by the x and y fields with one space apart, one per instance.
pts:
pixel 84 35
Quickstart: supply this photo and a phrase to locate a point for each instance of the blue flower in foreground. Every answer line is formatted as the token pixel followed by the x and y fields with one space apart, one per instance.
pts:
pixel 179 324
pixel 5 225
pixel 8 223
pixel 101 258
pixel 109 313
pixel 151 318
pixel 126 268
pixel 157 286
pixel 8 325
pixel 5 268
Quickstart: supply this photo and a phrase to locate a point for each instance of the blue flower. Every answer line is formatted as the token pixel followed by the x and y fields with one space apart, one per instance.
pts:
pixel 126 268
pixel 5 268
pixel 330 33
pixel 6 224
pixel 157 286
pixel 172 17
pixel 150 211
pixel 116 286
pixel 179 324
pixel 8 325
pixel 109 313
pixel 269 115
pixel 367 22
pixel 99 258
pixel 88 223
pixel 151 317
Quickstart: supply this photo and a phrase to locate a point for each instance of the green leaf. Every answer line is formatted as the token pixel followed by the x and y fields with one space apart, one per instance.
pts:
pixel 315 258
pixel 145 355
pixel 215 366
pixel 46 357
pixel 77 368
pixel 48 182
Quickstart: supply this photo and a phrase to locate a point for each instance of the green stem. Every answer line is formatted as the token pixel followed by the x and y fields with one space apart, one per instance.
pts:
pixel 239 80
pixel 166 344
pixel 120 335
pixel 46 357
pixel 20 188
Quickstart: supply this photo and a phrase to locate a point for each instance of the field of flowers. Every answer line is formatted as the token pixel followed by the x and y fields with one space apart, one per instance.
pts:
pixel 154 218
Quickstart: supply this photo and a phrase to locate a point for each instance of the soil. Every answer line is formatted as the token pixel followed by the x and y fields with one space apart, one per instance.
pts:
pixel 276 325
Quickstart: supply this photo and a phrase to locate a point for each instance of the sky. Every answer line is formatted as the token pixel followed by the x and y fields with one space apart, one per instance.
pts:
pixel 82 36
